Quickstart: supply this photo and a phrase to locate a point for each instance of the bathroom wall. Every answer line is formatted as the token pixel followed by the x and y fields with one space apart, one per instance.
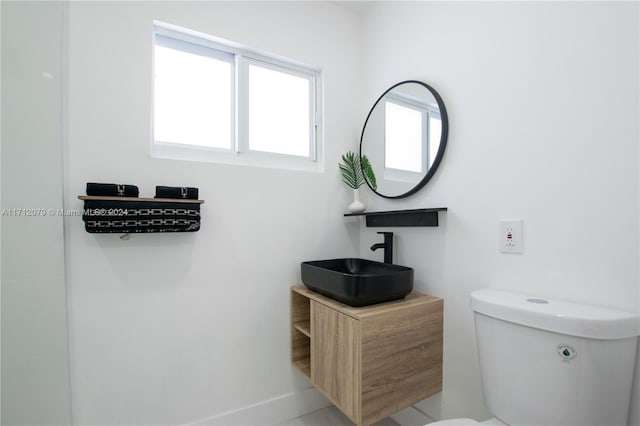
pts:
pixel 543 106
pixel 194 328
pixel 35 370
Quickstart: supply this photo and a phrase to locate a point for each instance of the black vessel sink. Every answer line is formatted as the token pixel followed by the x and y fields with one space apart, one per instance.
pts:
pixel 357 282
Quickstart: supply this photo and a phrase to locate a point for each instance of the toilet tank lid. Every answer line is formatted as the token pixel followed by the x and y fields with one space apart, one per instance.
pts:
pixel 556 316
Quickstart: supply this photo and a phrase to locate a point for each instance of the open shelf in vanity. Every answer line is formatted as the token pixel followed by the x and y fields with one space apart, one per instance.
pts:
pixel 301 333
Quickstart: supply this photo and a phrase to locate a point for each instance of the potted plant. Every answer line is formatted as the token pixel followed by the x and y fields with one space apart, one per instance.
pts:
pixel 354 170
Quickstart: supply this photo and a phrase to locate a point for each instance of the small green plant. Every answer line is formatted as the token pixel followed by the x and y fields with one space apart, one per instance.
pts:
pixel 354 172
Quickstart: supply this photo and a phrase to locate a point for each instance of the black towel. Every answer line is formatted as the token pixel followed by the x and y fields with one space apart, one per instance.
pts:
pixel 112 189
pixel 177 192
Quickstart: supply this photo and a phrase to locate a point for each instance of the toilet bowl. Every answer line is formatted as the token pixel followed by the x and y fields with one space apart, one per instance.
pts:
pixel 552 353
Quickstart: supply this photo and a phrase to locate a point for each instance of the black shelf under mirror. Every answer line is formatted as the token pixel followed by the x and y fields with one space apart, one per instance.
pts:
pixel 414 217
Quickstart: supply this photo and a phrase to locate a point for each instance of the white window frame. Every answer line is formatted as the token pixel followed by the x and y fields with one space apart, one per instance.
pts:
pixel 240 154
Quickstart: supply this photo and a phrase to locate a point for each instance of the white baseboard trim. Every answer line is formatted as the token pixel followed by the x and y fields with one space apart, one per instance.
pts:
pixel 412 417
pixel 270 411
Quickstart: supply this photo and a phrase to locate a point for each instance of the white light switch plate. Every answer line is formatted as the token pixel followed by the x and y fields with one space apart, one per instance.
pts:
pixel 511 236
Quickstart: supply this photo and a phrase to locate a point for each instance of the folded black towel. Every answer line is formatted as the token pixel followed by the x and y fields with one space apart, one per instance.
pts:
pixel 112 189
pixel 177 192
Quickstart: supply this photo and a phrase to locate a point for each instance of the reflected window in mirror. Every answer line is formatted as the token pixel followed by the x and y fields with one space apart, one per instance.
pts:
pixel 435 134
pixel 405 137
pixel 412 137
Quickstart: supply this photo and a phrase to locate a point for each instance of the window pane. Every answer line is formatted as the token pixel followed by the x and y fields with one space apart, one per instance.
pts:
pixel 278 112
pixel 435 134
pixel 192 99
pixel 403 138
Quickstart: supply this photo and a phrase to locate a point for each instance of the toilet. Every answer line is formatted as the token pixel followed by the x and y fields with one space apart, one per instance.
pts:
pixel 549 362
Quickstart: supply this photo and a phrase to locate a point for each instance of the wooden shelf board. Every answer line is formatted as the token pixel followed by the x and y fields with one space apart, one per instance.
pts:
pixel 158 200
pixel 304 327
pixel 304 365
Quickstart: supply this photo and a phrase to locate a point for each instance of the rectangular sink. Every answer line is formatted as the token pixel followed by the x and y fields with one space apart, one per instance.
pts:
pixel 357 282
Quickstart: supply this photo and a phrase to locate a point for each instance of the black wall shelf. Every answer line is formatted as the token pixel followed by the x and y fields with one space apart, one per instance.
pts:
pixel 415 217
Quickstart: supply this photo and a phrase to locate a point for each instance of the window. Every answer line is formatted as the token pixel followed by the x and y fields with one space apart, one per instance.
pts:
pixel 279 112
pixel 214 100
pixel 193 96
pixel 412 136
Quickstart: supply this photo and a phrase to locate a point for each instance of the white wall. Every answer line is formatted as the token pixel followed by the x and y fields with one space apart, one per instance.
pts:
pixel 173 329
pixel 543 107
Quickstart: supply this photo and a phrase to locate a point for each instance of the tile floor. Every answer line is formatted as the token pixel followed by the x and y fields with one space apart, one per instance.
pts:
pixel 329 416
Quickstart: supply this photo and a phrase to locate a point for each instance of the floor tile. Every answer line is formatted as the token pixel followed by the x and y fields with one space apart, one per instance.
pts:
pixel 329 416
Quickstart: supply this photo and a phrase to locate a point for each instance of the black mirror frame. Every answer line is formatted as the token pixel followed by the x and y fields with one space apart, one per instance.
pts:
pixel 443 138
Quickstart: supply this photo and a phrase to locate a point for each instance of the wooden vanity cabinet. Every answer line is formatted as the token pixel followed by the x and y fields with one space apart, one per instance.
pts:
pixel 372 361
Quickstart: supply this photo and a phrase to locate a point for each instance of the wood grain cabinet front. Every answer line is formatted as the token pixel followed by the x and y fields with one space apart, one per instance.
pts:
pixel 373 361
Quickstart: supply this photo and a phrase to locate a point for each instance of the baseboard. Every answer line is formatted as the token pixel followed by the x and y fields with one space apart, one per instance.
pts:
pixel 411 417
pixel 270 411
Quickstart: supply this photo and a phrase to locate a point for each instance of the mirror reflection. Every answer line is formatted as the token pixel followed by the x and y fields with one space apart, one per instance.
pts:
pixel 404 138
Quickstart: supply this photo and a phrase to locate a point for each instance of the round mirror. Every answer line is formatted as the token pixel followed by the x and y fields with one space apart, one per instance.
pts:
pixel 403 138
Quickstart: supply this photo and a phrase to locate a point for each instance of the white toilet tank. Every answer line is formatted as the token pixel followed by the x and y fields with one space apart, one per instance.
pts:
pixel 548 362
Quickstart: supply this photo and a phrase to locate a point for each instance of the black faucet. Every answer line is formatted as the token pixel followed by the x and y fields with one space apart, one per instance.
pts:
pixel 387 246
